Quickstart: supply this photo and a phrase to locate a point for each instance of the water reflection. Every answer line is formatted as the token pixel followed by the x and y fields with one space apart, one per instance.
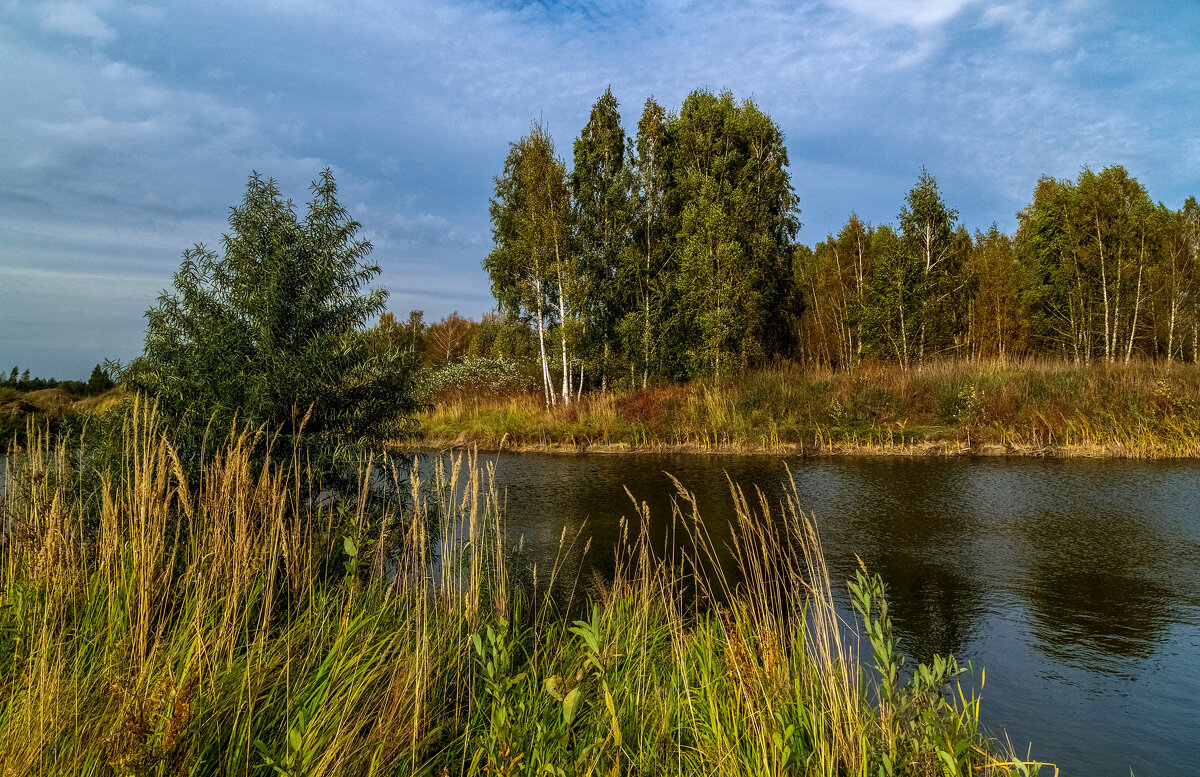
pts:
pixel 1092 588
pixel 908 523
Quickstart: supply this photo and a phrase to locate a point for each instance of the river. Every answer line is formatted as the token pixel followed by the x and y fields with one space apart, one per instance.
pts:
pixel 1074 583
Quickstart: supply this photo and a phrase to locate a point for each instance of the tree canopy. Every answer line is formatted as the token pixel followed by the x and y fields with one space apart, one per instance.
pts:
pixel 668 256
pixel 671 255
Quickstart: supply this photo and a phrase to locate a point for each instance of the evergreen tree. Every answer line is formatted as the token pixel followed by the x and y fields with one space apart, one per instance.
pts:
pixel 99 382
pixel 271 333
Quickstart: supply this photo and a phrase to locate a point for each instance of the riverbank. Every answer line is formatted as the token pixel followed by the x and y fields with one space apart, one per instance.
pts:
pixel 227 626
pixel 48 407
pixel 957 409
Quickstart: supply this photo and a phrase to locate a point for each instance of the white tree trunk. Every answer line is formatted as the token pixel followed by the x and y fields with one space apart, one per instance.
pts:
pixel 562 319
pixel 546 385
pixel 1137 303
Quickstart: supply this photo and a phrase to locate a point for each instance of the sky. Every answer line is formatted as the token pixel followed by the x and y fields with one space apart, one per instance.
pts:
pixel 128 130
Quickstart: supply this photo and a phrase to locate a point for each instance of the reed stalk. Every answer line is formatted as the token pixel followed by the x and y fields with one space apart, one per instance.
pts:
pixel 243 623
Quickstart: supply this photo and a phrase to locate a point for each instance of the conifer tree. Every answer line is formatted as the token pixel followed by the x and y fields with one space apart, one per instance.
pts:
pixel 272 332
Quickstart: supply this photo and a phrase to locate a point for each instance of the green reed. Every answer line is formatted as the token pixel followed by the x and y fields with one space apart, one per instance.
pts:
pixel 242 623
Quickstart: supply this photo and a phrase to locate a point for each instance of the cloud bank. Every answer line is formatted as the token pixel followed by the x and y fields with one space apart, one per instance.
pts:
pixel 129 129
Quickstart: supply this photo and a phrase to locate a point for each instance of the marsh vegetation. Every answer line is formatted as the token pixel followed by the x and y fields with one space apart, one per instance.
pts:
pixel 239 624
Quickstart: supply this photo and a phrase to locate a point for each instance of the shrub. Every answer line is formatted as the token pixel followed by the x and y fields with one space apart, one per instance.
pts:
pixel 477 377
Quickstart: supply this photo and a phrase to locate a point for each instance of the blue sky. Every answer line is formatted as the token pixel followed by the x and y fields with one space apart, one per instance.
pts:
pixel 127 130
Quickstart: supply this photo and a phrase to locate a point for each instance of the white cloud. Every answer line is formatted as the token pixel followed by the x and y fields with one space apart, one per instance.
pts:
pixel 913 13
pixel 80 285
pixel 75 20
pixel 121 155
pixel 1034 27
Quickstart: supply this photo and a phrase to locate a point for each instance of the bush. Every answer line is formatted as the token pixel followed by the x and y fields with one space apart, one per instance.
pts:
pixel 478 377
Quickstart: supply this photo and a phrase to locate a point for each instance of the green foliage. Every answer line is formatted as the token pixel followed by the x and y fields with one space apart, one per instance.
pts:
pixel 668 257
pixel 671 256
pixel 737 218
pixel 23 382
pixel 929 241
pixel 98 382
pixel 601 187
pixel 893 317
pixel 271 333
pixel 411 336
pixel 642 324
pixel 500 336
pixel 915 720
pixel 531 264
pixel 1110 274
pixel 1095 272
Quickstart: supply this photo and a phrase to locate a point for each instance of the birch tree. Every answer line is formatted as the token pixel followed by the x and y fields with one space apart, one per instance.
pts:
pixel 530 232
pixel 650 256
pixel 927 229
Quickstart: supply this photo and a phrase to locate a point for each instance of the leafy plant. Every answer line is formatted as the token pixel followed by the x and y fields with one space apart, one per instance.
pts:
pixel 500 752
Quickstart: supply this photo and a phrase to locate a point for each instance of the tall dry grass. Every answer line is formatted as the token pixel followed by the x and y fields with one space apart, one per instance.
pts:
pixel 247 625
pixel 1142 410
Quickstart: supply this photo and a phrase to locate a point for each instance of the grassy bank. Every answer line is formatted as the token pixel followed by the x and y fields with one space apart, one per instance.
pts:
pixel 51 406
pixel 1141 410
pixel 239 625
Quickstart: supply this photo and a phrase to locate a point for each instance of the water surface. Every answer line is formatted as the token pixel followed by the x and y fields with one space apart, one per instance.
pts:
pixel 1075 583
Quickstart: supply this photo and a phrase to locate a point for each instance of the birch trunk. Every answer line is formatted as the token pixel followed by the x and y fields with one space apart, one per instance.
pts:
pixel 546 385
pixel 1137 303
pixel 562 318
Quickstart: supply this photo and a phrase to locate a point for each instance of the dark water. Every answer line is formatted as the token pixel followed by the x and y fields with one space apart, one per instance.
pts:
pixel 1076 584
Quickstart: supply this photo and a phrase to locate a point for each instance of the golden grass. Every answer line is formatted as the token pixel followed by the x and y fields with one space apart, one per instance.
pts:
pixel 245 624
pixel 1037 408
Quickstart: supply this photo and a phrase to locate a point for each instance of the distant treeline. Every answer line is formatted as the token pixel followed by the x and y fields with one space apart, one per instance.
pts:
pixel 98 383
pixel 672 255
pixel 1095 272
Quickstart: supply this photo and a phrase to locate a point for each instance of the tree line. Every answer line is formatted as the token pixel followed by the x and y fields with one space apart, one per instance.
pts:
pixel 98 383
pixel 662 256
pixel 1096 272
pixel 671 255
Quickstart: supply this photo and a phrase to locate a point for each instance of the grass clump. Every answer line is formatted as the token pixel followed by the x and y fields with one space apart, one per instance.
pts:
pixel 243 623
